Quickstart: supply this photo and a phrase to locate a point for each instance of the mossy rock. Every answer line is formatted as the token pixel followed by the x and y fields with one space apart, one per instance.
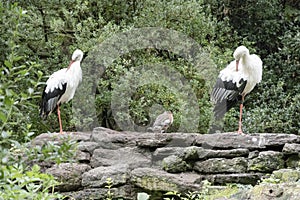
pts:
pixel 266 161
pixel 155 183
pixel 190 153
pixel 293 161
pixel 221 165
pixel 219 192
pixel 174 164
pixel 267 191
pixel 287 175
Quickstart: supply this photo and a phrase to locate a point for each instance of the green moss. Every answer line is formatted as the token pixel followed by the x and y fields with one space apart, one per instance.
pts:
pixel 257 167
pixel 266 162
pixel 207 192
pixel 174 164
pixel 293 161
pixel 287 175
pixel 190 153
pixel 282 190
pixel 257 190
pixel 292 176
pixel 154 183
pixel 224 193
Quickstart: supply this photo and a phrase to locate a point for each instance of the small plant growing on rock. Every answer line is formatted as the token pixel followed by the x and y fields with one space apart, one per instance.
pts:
pixel 206 193
pixel 196 195
pixel 109 184
pixel 187 196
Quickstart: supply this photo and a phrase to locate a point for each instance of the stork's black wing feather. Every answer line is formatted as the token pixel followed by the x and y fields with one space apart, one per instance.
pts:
pixel 50 99
pixel 225 95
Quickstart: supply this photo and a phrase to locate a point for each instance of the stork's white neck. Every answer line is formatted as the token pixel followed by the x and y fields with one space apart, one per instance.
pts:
pixel 74 65
pixel 245 66
pixel 75 73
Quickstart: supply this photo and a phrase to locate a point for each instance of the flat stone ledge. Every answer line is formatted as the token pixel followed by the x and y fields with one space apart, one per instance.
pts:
pixel 168 161
pixel 291 148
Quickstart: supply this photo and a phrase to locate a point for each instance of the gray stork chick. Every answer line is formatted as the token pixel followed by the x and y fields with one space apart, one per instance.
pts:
pixel 162 122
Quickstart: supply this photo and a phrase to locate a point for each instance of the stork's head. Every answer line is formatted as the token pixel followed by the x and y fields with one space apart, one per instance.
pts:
pixel 76 56
pixel 239 53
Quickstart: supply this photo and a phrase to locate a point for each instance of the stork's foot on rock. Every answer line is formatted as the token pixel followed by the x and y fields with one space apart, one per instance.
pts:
pixel 240 131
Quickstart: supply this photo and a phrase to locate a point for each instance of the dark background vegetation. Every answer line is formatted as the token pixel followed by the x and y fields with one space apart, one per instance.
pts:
pixel 38 38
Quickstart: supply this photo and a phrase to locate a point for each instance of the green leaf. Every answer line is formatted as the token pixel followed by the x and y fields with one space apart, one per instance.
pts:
pixel 17 58
pixel 8 101
pixel 2 116
pixel 40 73
pixel 8 64
pixel 36 168
pixel 8 92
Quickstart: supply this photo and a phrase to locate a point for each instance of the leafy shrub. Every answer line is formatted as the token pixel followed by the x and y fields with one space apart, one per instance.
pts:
pixel 20 79
pixel 141 86
pixel 37 38
pixel 21 177
pixel 52 152
pixel 18 183
pixel 20 180
pixel 253 21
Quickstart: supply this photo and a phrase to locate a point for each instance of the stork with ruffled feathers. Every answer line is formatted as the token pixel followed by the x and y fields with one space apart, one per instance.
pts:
pixel 61 87
pixel 235 82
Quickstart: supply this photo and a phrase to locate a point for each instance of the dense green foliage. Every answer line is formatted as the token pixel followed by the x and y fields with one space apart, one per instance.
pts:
pixel 22 178
pixel 142 71
pixel 19 183
pixel 37 38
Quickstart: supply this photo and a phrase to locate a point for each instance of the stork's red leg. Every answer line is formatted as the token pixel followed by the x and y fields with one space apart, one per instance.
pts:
pixel 240 131
pixel 59 119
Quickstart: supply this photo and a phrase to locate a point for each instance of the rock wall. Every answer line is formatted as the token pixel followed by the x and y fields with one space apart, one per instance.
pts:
pixel 157 163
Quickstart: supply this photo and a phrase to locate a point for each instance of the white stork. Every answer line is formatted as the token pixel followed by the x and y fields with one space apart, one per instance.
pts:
pixel 235 82
pixel 61 87
pixel 162 122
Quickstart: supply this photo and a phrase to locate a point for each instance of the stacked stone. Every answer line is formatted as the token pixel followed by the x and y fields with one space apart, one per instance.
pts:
pixel 161 162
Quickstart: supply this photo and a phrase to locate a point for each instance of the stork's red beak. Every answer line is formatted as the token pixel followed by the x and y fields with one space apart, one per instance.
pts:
pixel 237 65
pixel 70 64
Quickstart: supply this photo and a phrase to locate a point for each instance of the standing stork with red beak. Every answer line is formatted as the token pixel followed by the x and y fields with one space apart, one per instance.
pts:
pixel 235 82
pixel 61 87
